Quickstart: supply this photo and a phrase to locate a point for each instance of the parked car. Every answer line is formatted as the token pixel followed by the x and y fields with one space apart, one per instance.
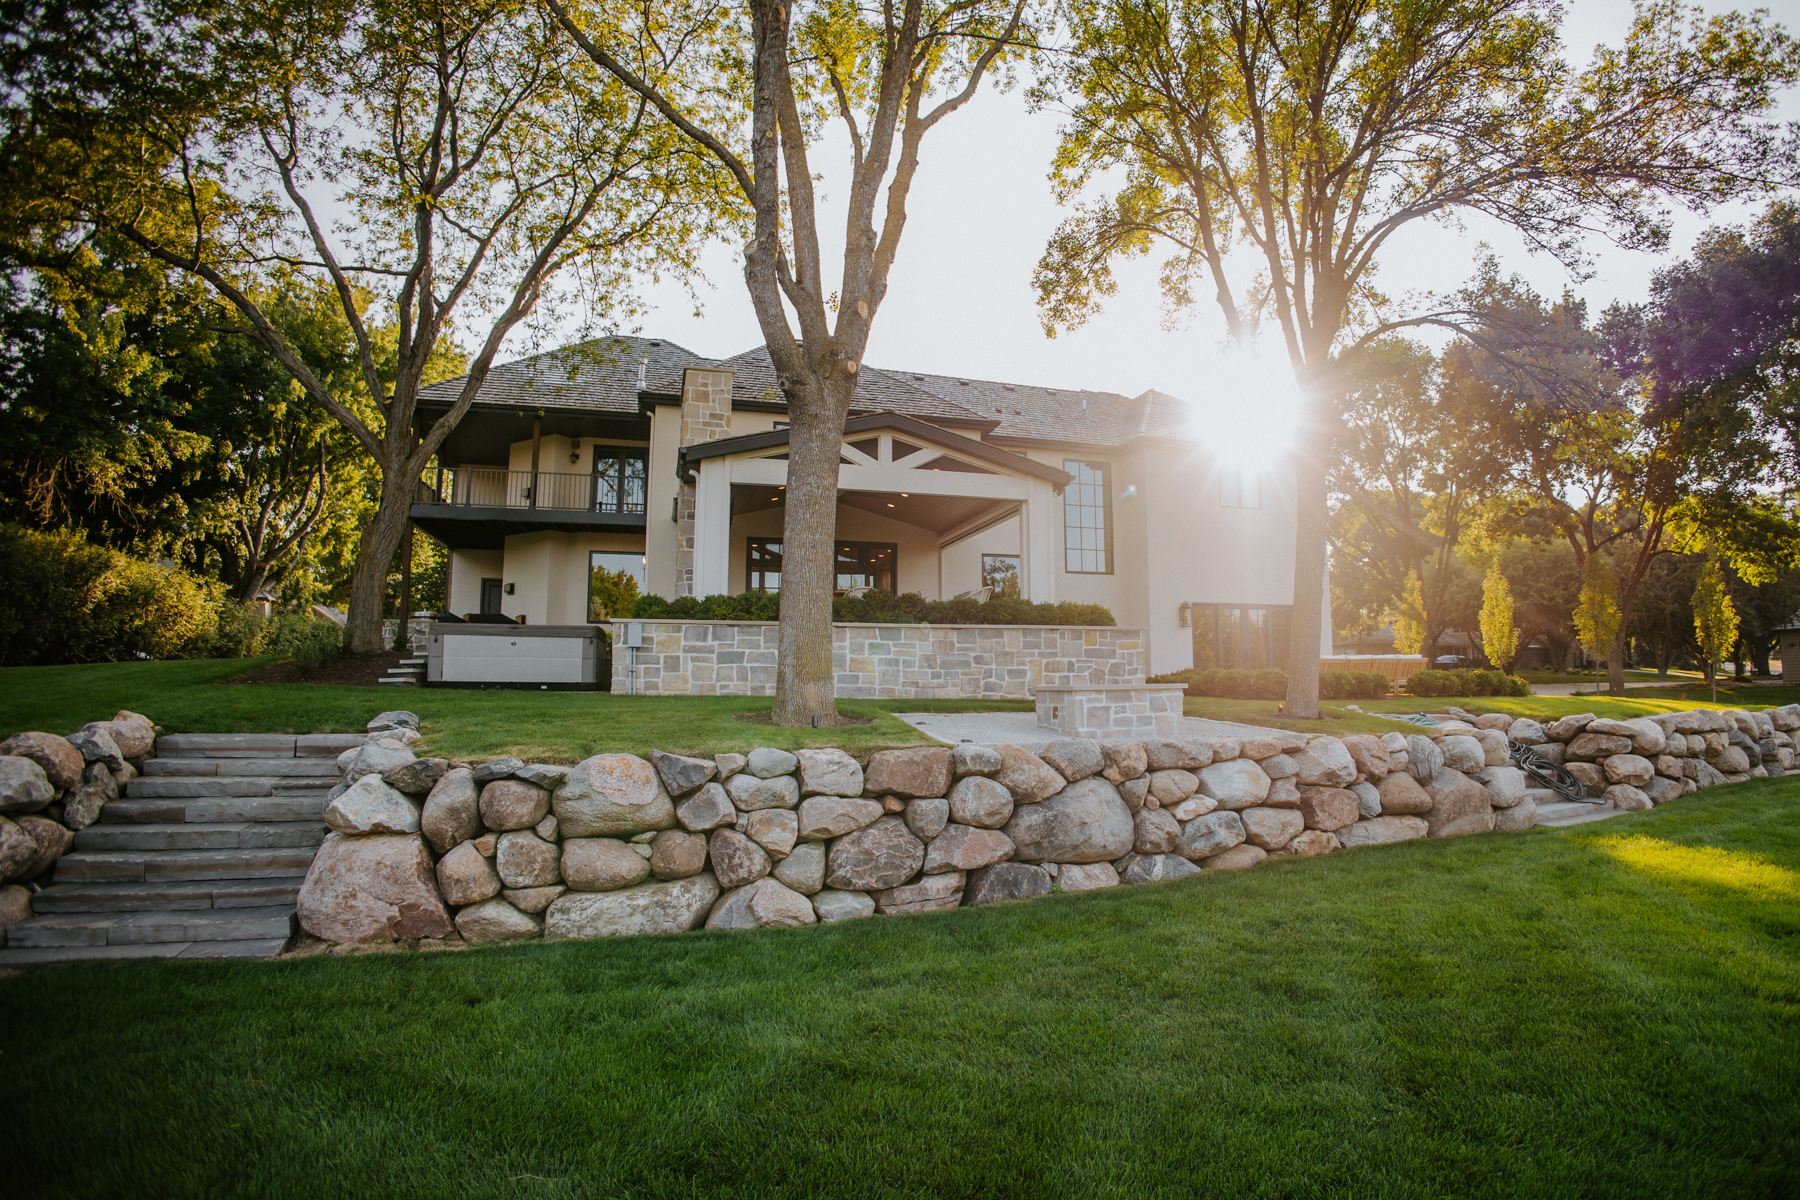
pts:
pixel 1448 662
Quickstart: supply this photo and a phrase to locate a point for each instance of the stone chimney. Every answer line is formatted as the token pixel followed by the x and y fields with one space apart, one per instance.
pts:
pixel 705 417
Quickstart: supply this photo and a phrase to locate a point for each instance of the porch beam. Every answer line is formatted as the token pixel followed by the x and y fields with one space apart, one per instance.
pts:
pixel 888 477
pixel 981 524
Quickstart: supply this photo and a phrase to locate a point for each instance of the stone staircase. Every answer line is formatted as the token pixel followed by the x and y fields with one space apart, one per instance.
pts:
pixel 202 857
pixel 410 673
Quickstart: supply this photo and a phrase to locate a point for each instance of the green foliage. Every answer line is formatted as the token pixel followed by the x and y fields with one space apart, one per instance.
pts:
pixel 877 607
pixel 1353 685
pixel 611 593
pixel 1466 683
pixel 1597 609
pixel 1409 624
pixel 1499 637
pixel 1715 618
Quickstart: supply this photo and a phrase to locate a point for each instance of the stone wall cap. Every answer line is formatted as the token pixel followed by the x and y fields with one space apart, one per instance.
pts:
pixel 1112 687
pixel 851 625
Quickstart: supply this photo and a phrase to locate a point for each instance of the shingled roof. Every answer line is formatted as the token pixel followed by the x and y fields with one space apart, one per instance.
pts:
pixel 604 376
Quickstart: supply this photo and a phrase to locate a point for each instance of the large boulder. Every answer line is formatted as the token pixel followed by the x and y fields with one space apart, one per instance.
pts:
pixel 822 818
pixel 96 743
pixel 966 758
pixel 1462 754
pixel 525 860
pixel 1368 798
pixel 606 864
pixel 766 762
pixel 774 829
pixel 1236 783
pixel 752 792
pixel 1309 844
pixel 828 773
pixel 680 774
pixel 371 806
pixel 1235 859
pixel 417 777
pixel 981 802
pixel 397 718
pixel 376 758
pixel 965 848
pixel 1086 877
pixel 1272 828
pixel 1329 808
pixel 1627 798
pixel 1423 758
pixel 1154 868
pixel 1085 822
pixel 1028 777
pixel 1592 746
pixel 1629 768
pixel 706 809
pixel 920 771
pixel 647 908
pixel 804 869
pixel 61 762
pixel 736 860
pixel 376 888
pixel 1369 754
pixel 466 877
pixel 1505 786
pixel 133 733
pixel 1156 832
pixel 52 841
pixel 1458 805
pixel 1568 727
pixel 1527 732
pixel 1186 754
pixel 452 811
pixel 885 855
pixel 1124 761
pixel 674 854
pixel 929 894
pixel 1075 759
pixel 1401 795
pixel 611 794
pixel 1493 747
pixel 15 906
pixel 497 768
pixel 1324 763
pixel 17 850
pixel 513 804
pixel 1211 834
pixel 497 921
pixel 23 786
pixel 1173 786
pixel 1380 831
pixel 761 904
pixel 842 906
pixel 1518 818
pixel 548 776
pixel 96 790
pixel 1006 881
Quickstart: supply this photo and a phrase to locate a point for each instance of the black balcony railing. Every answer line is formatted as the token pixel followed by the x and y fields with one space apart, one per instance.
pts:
pixel 489 487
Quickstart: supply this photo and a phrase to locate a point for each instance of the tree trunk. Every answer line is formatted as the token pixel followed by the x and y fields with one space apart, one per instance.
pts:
pixel 805 682
pixel 1615 663
pixel 374 559
pixel 1311 528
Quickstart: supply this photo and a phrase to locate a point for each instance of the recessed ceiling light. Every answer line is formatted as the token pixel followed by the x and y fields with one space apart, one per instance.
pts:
pixel 890 506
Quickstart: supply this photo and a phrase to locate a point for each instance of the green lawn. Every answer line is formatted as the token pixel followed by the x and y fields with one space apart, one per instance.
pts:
pixel 554 726
pixel 1610 1010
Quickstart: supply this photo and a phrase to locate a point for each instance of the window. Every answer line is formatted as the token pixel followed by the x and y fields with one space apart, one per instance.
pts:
pixel 1087 518
pixel 1239 489
pixel 859 564
pixel 1232 635
pixel 618 481
pixel 604 595
pixel 1001 572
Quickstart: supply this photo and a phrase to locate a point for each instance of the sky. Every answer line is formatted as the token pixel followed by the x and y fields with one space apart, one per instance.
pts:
pixel 960 300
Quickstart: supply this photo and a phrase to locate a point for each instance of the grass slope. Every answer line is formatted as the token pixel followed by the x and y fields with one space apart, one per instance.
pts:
pixel 1609 1010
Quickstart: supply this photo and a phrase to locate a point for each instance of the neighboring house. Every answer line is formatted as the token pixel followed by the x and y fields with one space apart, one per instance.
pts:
pixel 636 454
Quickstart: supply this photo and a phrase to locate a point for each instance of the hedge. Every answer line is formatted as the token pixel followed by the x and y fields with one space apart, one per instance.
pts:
pixel 1270 683
pixel 878 607
pixel 1466 682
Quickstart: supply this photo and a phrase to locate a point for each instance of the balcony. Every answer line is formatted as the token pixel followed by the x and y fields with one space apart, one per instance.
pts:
pixel 470 508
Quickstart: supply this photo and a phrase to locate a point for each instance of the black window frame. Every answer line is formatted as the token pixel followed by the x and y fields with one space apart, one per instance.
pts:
pixel 760 551
pixel 1018 575
pixel 1262 640
pixel 622 479
pixel 1076 499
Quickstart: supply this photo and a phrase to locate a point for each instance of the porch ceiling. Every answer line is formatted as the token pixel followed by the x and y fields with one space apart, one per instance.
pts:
pixel 939 514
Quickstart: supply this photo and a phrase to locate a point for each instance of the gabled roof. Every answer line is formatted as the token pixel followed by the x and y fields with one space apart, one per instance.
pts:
pixel 876 391
pixel 596 376
pixel 917 430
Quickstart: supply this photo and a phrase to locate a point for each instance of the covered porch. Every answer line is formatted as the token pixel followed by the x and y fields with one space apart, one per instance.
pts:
pixel 919 510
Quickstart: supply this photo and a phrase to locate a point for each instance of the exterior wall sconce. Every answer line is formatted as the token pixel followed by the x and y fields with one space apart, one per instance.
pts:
pixel 575 451
pixel 1182 614
pixel 509 589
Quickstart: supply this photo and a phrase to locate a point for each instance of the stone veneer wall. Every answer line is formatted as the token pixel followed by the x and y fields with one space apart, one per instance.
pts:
pixel 705 417
pixel 618 845
pixel 883 662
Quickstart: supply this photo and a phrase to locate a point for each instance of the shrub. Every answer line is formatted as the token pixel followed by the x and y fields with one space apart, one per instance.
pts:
pixel 1233 683
pixel 877 607
pixel 1466 683
pixel 67 601
pixel 1352 685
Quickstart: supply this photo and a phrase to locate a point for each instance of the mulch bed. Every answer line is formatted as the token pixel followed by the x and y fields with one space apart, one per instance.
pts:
pixel 356 670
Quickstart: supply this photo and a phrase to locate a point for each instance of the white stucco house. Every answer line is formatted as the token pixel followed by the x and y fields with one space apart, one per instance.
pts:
pixel 637 454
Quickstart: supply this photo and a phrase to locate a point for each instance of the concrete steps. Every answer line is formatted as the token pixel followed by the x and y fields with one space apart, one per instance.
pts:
pixel 1573 812
pixel 410 673
pixel 202 857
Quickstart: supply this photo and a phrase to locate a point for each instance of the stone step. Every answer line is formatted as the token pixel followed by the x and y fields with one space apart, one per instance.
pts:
pixel 166 897
pixel 37 957
pixel 392 682
pixel 196 835
pixel 178 810
pixel 256 745
pixel 263 768
pixel 147 928
pixel 183 786
pixel 1573 812
pixel 128 866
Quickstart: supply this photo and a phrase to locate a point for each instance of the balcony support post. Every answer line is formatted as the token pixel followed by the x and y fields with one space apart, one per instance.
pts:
pixel 537 444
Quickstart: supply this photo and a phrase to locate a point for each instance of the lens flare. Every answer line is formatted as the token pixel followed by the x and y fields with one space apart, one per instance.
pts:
pixel 1247 407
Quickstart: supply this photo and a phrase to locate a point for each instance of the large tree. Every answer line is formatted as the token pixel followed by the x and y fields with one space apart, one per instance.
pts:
pixel 886 76
pixel 429 161
pixel 1311 133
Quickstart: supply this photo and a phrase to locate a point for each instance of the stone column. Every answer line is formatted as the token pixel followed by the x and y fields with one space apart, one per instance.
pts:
pixel 705 417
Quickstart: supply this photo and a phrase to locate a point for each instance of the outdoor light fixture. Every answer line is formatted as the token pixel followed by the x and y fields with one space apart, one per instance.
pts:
pixel 509 589
pixel 890 506
pixel 1182 613
pixel 575 451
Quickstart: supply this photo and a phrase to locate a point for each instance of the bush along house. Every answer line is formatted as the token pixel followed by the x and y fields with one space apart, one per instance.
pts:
pixel 635 454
